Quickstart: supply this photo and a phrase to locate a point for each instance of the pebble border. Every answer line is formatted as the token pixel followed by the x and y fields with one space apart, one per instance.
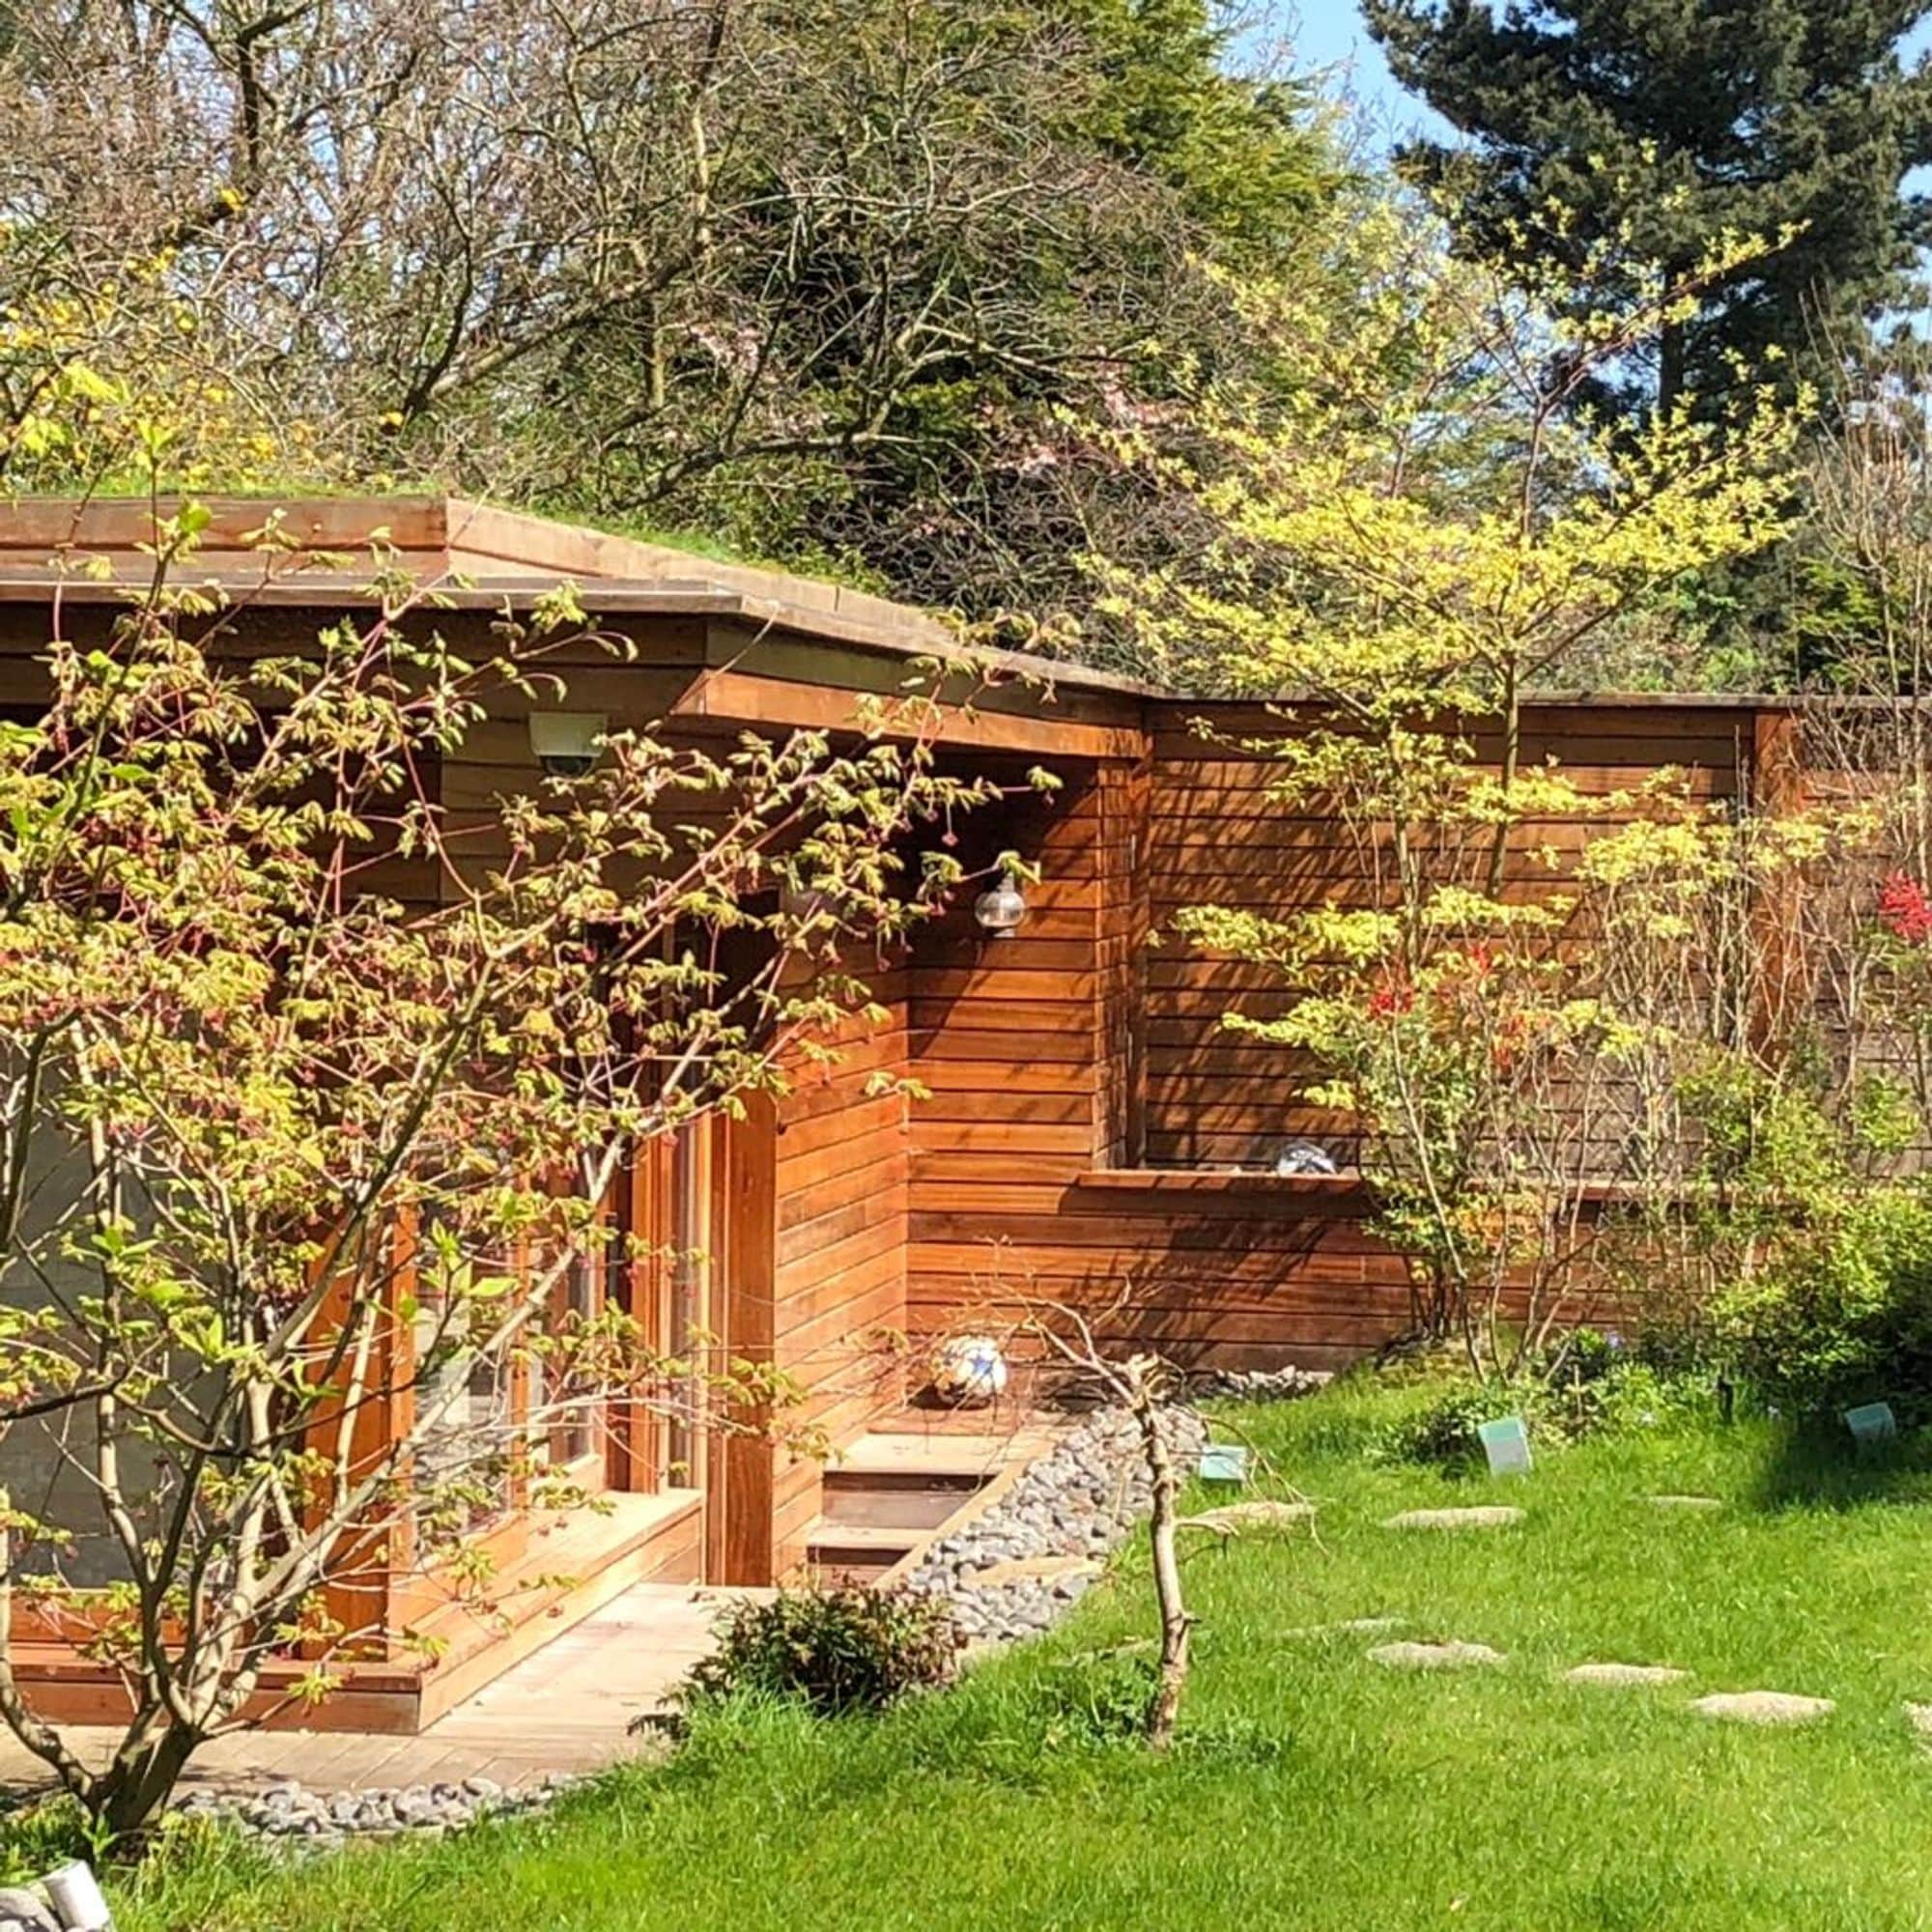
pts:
pixel 1078 1501
pixel 292 1818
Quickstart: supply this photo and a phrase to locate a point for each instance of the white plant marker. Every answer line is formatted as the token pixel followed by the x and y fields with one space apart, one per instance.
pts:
pixel 74 1894
pixel 1873 1423
pixel 1506 1443
pixel 1224 1463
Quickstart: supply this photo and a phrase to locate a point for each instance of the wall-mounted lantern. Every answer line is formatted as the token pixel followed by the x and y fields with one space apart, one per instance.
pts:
pixel 1000 908
pixel 565 741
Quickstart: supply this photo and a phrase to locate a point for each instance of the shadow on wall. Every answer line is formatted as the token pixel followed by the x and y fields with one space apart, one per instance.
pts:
pixel 47 1463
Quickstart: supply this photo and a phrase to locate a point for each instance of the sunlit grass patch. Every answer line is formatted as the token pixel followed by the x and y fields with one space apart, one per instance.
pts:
pixel 1309 1786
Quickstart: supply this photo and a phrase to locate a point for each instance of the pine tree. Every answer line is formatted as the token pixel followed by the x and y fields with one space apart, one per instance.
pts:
pixel 1658 125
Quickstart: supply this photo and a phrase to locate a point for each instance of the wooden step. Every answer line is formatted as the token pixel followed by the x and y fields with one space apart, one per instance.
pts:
pixel 897 1499
pixel 897 1454
pixel 857 1553
pixel 956 1482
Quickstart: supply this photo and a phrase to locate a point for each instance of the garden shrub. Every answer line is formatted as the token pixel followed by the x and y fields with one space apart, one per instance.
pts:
pixel 837 1650
pixel 1439 1430
pixel 1841 1313
pixel 41 1834
pixel 1587 1384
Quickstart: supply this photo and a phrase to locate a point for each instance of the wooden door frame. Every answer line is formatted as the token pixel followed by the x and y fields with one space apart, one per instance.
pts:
pixel 738 1502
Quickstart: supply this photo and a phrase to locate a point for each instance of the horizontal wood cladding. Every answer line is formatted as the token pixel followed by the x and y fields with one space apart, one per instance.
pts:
pixel 1097 1023
pixel 842 1157
pixel 1217 837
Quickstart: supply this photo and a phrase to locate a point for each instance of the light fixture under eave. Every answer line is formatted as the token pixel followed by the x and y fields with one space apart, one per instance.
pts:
pixel 565 741
pixel 1000 908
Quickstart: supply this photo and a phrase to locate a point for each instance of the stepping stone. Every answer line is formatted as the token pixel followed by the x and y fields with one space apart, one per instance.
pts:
pixel 1764 1707
pixel 1451 1655
pixel 1352 1627
pixel 1233 1518
pixel 1686 1502
pixel 1031 1569
pixel 1919 1718
pixel 1625 1675
pixel 1490 1516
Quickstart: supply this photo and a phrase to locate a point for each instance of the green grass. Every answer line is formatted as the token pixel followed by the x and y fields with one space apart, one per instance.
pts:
pixel 1312 1788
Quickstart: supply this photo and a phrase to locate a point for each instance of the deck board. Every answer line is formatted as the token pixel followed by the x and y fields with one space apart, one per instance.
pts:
pixel 567 1707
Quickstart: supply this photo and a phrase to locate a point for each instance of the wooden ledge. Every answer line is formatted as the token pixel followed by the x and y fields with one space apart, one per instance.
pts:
pixel 1222 1181
pixel 1222 1193
pixel 1262 1192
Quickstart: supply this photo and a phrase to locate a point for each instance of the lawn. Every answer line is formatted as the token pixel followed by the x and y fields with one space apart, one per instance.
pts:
pixel 1313 1788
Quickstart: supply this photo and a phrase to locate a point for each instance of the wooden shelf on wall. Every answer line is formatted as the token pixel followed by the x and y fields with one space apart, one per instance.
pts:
pixel 1288 1193
pixel 1261 1192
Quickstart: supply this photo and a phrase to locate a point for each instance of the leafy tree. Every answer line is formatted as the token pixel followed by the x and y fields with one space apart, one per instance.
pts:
pixel 276 1146
pixel 1660 124
pixel 1411 521
pixel 822 279
pixel 1414 528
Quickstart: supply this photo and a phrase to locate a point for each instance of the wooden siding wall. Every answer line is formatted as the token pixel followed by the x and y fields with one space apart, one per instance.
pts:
pixel 1020 1049
pixel 1075 1048
pixel 839 1281
pixel 1033 1053
pixel 1217 838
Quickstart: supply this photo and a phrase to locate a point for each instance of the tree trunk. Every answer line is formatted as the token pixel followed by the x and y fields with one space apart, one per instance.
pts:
pixel 1165 1705
pixel 1669 367
pixel 129 1796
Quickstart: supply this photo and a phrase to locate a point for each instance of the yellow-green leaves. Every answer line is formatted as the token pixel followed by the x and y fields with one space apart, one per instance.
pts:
pixel 1416 510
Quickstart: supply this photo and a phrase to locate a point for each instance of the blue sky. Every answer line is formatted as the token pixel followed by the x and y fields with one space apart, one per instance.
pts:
pixel 1330 34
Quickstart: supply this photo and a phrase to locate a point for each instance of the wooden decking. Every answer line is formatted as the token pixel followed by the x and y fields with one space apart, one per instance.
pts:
pixel 564 1707
pixel 569 1705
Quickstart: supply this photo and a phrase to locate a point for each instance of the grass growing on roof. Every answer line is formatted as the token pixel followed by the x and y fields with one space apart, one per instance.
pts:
pixel 1310 1787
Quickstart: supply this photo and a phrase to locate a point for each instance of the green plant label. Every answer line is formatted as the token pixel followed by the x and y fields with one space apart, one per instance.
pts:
pixel 1506 1443
pixel 1874 1422
pixel 1224 1463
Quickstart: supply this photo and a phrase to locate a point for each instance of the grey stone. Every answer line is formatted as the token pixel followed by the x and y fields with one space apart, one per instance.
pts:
pixel 1451 1655
pixel 1261 1514
pixel 1348 1627
pixel 1630 1675
pixel 24 1911
pixel 1485 1516
pixel 1764 1707
pixel 1259 1384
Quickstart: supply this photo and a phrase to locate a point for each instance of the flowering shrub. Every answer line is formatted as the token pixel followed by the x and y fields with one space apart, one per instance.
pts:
pixel 316 1148
pixel 1461 1036
pixel 1903 909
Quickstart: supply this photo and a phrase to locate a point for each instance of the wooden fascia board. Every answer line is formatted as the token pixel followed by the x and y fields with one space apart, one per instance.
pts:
pixel 740 698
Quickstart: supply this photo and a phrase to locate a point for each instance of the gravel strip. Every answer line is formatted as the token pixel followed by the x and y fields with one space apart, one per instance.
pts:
pixel 292 1818
pixel 1079 1500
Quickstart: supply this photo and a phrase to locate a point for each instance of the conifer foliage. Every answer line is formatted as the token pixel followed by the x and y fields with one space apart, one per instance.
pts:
pixel 1657 124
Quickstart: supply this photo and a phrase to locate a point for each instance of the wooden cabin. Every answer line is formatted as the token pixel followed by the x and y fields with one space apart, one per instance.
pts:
pixel 1087 1122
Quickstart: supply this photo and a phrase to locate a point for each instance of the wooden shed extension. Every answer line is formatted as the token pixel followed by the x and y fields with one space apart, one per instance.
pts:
pixel 1086 1123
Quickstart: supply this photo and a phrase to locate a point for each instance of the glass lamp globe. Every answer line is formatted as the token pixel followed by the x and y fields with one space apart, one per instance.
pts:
pixel 1000 908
